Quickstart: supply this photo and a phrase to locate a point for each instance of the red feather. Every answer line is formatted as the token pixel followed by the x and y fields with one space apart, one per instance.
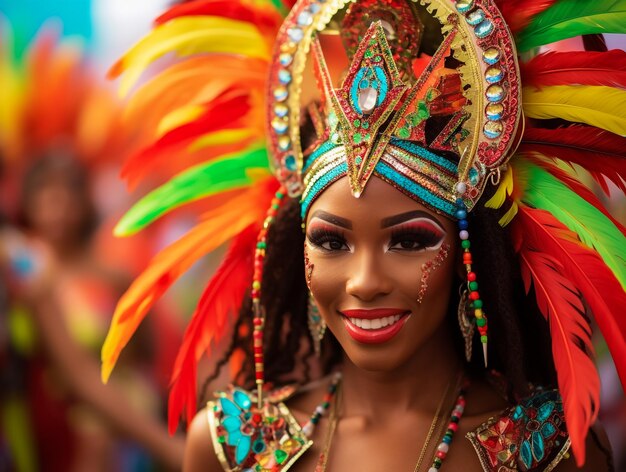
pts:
pixel 576 68
pixel 218 306
pixel 266 18
pixel 519 13
pixel 221 299
pixel 226 112
pixel 575 185
pixel 546 266
pixel 601 153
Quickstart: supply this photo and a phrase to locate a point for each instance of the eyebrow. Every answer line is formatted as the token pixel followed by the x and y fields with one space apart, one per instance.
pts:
pixel 409 215
pixel 333 219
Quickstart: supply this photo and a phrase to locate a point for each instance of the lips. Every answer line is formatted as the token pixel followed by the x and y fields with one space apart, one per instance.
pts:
pixel 374 326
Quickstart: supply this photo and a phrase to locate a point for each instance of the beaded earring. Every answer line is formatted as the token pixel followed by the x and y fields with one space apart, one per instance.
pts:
pixel 259 314
pixel 475 303
pixel 466 324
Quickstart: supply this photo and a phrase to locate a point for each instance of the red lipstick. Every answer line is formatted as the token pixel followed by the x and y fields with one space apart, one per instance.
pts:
pixel 374 326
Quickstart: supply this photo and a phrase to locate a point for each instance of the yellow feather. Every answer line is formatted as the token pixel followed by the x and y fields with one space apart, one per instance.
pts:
pixel 598 106
pixel 220 138
pixel 179 117
pixel 504 189
pixel 509 215
pixel 186 36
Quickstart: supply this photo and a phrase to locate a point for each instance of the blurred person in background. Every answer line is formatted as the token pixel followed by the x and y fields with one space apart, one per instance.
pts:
pixel 57 128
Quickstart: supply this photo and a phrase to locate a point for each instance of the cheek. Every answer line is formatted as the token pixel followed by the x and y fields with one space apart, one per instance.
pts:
pixel 327 280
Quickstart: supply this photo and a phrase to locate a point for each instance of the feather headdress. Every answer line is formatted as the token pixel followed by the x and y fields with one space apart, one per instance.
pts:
pixel 206 129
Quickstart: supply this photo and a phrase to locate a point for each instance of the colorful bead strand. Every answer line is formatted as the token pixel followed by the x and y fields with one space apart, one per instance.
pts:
pixel 453 425
pixel 259 316
pixel 476 303
pixel 310 425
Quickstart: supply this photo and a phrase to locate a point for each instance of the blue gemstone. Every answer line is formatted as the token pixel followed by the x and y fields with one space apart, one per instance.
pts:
pixel 242 399
pixel 463 224
pixel 493 75
pixel 231 423
pixel 544 411
pixel 526 454
pixel 463 6
pixel 295 34
pixel 461 214
pixel 243 449
pixel 537 446
pixel 473 176
pixel 483 29
pixel 285 59
pixel 475 17
pixel 228 407
pixel 290 162
pixel 460 203
pixel 548 430
pixel 284 76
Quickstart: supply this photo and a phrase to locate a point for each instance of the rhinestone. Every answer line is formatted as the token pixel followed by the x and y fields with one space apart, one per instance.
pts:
pixel 281 93
pixel 461 188
pixel 305 18
pixel 281 110
pixel 492 129
pixel 367 99
pixel 495 93
pixel 483 29
pixel 280 125
pixel 285 59
pixel 295 34
pixel 491 55
pixel 493 75
pixel 473 176
pixel 284 143
pixel 494 111
pixel 284 76
pixel 463 6
pixel 475 17
pixel 290 163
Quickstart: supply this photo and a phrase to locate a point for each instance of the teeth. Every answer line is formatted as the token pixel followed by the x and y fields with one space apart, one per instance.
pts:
pixel 375 323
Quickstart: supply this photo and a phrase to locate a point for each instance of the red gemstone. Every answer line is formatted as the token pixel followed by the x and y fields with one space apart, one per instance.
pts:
pixel 471 276
pixel 474 296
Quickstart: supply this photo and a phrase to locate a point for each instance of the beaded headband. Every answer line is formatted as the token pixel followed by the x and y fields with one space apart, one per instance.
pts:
pixel 435 132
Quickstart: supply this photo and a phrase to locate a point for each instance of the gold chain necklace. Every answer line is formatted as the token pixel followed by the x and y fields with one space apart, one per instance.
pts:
pixel 334 419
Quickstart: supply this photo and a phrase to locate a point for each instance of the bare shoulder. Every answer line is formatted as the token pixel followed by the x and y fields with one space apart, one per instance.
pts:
pixel 598 454
pixel 199 453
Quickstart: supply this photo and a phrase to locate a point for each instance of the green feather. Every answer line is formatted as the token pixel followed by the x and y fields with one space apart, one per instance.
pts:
pixel 569 18
pixel 198 182
pixel 594 229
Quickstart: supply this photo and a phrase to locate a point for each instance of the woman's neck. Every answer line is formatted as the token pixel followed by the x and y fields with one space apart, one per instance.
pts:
pixel 418 385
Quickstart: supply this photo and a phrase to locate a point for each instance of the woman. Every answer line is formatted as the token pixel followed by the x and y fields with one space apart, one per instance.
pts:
pixel 401 175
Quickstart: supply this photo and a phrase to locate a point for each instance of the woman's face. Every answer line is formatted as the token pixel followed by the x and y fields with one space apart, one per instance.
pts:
pixel 370 260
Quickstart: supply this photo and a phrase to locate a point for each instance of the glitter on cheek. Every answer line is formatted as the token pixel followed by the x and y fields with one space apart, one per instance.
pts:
pixel 308 267
pixel 429 267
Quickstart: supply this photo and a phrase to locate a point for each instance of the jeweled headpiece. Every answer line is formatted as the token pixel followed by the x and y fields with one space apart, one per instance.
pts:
pixel 423 123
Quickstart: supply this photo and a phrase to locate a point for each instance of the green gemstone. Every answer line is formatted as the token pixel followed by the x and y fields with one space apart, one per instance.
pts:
pixel 368 53
pixel 377 59
pixel 221 439
pixel 478 303
pixel 404 132
pixel 368 137
pixel 365 125
pixel 465 244
pixel 473 285
pixel 357 138
pixel 483 339
pixel 280 455
pixel 481 321
pixel 356 123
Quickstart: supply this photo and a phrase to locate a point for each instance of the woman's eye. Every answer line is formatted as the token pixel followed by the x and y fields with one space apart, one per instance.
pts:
pixel 407 245
pixel 328 240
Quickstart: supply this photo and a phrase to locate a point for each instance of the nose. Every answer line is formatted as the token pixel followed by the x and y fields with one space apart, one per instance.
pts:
pixel 367 278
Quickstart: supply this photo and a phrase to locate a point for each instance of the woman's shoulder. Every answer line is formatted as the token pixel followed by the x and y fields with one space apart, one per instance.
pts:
pixel 199 453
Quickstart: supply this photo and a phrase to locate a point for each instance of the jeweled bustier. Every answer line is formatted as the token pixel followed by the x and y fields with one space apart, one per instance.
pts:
pixel 530 436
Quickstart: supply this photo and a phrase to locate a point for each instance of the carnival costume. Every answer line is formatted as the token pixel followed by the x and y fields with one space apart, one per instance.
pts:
pixel 437 112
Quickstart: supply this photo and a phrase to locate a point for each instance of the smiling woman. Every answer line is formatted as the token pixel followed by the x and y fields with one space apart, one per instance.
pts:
pixel 425 241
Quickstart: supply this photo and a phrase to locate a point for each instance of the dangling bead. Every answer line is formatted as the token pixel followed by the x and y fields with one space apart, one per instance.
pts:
pixel 476 303
pixel 259 318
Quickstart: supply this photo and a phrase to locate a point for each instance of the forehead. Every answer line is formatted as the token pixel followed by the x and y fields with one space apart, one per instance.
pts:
pixel 379 200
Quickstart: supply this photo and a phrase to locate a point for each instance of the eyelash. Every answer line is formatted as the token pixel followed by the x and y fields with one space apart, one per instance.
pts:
pixel 423 237
pixel 323 238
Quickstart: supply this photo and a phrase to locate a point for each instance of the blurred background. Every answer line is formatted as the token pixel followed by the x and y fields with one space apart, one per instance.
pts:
pixel 61 149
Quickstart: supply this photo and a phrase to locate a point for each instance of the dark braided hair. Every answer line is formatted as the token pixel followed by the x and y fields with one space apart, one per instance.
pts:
pixel 519 343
